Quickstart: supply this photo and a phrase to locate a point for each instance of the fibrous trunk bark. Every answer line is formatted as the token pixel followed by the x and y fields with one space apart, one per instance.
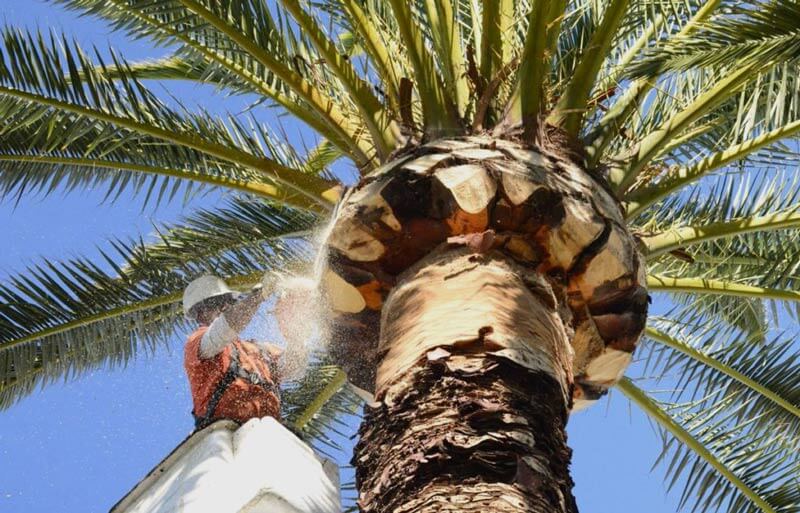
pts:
pixel 472 392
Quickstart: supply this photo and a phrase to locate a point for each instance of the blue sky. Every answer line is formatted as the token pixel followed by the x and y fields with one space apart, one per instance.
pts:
pixel 80 445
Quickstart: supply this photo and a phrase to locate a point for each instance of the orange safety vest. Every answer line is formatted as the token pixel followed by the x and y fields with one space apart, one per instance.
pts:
pixel 237 384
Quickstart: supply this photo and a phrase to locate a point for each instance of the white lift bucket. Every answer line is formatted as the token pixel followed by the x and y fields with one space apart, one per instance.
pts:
pixel 260 467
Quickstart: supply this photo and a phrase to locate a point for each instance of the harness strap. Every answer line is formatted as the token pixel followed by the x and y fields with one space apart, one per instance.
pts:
pixel 201 421
pixel 234 371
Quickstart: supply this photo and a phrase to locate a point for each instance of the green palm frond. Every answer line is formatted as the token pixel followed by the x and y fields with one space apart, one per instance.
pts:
pixel 232 239
pixel 61 150
pixel 736 408
pixel 320 405
pixel 689 235
pixel 723 462
pixel 749 130
pixel 732 73
pixel 620 116
pixel 770 260
pixel 571 107
pixel 756 259
pixel 32 89
pixel 438 106
pixel 736 364
pixel 729 206
pixel 765 31
pixel 59 320
pixel 245 39
pixel 494 46
pixel 378 120
pixel 188 66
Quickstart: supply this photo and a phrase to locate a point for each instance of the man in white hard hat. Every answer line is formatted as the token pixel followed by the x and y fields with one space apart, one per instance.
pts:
pixel 231 378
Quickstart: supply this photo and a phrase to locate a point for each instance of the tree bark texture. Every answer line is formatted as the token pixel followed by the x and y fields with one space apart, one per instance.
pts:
pixel 472 391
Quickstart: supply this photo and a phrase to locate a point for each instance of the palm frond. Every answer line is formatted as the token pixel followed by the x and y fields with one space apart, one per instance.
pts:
pixel 243 38
pixel 724 207
pixel 233 239
pixel 723 87
pixel 764 31
pixel 718 287
pixel 725 466
pixel 446 39
pixel 689 235
pixel 39 88
pixel 766 371
pixel 322 402
pixel 378 120
pixel 438 107
pixel 730 71
pixel 748 132
pixel 373 33
pixel 571 108
pixel 529 100
pixel 756 259
pixel 495 44
pixel 615 123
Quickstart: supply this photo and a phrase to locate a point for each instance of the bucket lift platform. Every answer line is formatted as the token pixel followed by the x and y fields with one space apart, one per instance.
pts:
pixel 260 467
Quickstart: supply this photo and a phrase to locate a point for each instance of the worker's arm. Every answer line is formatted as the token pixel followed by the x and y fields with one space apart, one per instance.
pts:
pixel 226 328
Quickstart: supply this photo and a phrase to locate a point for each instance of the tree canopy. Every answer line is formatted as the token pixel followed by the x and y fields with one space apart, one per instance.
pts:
pixel 689 110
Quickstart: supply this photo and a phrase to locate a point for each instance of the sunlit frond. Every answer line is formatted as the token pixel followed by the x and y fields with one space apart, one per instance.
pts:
pixel 52 85
pixel 765 31
pixel 726 464
pixel 246 39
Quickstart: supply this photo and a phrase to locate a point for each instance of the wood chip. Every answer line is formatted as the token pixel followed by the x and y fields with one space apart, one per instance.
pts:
pixel 342 297
pixel 607 368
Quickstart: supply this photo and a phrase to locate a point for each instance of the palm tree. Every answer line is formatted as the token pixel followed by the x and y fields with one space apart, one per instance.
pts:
pixel 529 172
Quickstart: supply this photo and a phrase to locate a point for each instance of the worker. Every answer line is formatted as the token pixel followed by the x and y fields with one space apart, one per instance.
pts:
pixel 231 378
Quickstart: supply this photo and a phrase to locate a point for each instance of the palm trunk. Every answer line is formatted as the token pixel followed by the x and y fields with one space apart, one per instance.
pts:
pixel 472 392
pixel 483 289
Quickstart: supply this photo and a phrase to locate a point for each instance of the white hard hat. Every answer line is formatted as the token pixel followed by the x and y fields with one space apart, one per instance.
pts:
pixel 203 288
